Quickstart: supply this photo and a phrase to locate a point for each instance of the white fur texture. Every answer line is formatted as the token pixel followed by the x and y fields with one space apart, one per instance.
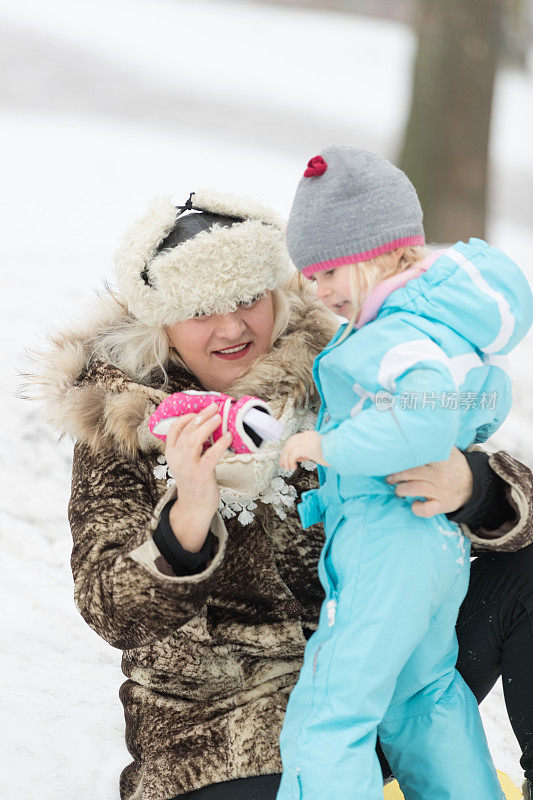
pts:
pixel 209 274
pixel 232 205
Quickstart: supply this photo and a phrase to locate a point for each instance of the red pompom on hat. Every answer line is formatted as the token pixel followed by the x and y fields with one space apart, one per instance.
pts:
pixel 316 166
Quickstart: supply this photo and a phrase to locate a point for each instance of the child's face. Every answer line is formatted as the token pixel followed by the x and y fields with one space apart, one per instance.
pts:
pixel 333 288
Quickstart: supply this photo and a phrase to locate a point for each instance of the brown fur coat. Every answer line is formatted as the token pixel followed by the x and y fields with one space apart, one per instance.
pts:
pixel 210 659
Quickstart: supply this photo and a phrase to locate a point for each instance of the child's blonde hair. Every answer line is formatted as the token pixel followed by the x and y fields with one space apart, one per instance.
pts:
pixel 365 275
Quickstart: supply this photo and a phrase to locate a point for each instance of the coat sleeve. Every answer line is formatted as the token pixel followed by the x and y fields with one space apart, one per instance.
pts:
pixel 123 587
pixel 517 532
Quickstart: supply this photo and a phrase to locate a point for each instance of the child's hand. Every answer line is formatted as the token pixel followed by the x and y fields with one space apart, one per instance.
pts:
pixel 302 447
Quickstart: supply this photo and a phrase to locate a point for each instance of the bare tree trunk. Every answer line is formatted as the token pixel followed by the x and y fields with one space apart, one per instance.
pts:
pixel 445 151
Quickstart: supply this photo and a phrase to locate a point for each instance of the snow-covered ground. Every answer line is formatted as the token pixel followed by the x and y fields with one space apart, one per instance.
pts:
pixel 103 105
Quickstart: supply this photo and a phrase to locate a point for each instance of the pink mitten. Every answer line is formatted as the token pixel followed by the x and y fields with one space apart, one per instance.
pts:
pixel 249 419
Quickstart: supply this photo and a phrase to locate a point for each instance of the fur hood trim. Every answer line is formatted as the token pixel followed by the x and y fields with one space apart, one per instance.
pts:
pixel 212 272
pixel 100 404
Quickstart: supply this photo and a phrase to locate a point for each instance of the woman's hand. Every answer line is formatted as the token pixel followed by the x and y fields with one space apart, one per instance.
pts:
pixel 446 485
pixel 304 446
pixel 194 473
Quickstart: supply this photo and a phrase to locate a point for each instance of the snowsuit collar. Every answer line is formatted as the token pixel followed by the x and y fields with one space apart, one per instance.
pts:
pixel 494 317
pixel 378 295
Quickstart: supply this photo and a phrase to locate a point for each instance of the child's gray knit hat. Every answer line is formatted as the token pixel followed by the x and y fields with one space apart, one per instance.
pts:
pixel 351 205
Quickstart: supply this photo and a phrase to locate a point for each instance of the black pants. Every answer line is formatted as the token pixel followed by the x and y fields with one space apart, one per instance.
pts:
pixel 495 633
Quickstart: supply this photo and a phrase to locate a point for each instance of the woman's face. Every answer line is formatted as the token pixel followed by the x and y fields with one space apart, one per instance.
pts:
pixel 206 343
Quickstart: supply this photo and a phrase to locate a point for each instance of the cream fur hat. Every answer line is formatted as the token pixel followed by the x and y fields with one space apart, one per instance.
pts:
pixel 210 272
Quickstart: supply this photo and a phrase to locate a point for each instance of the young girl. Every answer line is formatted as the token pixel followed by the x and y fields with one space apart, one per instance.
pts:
pixel 419 368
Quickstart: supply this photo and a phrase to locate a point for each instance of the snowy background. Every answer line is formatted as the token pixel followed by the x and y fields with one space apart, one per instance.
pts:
pixel 103 105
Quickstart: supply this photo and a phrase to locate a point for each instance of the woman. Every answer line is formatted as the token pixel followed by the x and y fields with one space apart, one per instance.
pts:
pixel 206 580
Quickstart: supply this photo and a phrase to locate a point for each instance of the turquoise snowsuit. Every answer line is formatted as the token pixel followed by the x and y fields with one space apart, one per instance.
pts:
pixel 426 374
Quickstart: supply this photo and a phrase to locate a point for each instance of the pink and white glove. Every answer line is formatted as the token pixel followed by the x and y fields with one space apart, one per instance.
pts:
pixel 249 419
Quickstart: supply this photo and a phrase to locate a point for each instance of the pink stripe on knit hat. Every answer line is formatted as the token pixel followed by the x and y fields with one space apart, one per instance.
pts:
pixel 331 263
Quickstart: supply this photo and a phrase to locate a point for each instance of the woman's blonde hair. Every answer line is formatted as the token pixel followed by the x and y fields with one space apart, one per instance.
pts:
pixel 365 275
pixel 143 351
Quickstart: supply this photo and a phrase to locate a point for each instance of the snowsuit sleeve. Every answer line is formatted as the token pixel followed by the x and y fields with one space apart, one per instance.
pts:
pixel 123 587
pixel 377 442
